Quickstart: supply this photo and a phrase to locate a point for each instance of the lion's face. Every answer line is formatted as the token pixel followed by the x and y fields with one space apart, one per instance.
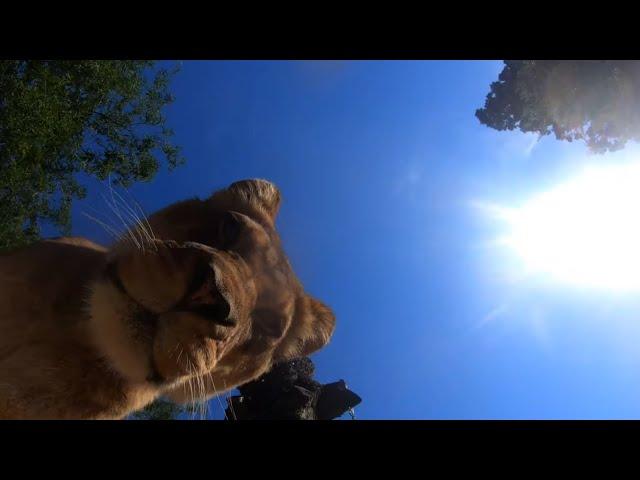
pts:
pixel 208 293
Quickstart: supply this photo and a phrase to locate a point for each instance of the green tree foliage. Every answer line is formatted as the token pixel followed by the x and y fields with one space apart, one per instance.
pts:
pixel 61 118
pixel 158 410
pixel 597 101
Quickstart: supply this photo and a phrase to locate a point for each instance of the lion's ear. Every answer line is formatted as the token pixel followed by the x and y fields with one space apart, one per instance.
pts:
pixel 261 194
pixel 311 329
pixel 323 324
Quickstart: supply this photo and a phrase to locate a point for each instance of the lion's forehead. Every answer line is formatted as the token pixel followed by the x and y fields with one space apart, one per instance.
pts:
pixel 265 252
pixel 275 280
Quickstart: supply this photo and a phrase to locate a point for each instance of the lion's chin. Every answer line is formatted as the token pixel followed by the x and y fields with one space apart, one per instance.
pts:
pixel 178 360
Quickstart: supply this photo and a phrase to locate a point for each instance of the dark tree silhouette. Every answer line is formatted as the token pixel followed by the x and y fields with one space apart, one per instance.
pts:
pixel 597 101
pixel 289 392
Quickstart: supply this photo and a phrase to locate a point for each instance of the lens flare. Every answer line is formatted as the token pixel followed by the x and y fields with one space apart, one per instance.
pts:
pixel 584 232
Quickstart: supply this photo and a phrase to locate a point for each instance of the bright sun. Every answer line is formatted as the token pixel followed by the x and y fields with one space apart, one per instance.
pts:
pixel 585 232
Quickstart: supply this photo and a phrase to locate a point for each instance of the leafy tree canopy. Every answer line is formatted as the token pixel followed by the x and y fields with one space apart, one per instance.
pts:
pixel 597 101
pixel 158 410
pixel 60 118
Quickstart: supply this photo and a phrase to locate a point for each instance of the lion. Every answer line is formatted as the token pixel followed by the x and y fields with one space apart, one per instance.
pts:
pixel 196 300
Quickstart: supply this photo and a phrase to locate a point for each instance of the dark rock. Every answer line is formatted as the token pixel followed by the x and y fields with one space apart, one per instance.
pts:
pixel 289 392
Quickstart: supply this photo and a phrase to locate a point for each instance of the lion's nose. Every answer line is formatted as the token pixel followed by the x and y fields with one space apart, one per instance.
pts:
pixel 217 313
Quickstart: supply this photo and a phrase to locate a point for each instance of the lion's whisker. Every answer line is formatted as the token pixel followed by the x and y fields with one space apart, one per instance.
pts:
pixel 215 392
pixel 143 214
pixel 201 396
pixel 107 221
pixel 111 227
pixel 107 228
pixel 116 210
pixel 136 227
pixel 191 394
pixel 136 220
pixel 233 413
pixel 127 231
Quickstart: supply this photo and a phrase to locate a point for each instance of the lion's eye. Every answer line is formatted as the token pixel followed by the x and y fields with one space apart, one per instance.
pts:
pixel 229 229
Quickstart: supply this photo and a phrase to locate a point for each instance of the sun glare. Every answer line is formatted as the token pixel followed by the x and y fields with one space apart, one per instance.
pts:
pixel 584 232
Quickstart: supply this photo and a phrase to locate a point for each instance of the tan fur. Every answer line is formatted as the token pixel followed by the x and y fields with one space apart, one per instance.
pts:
pixel 91 332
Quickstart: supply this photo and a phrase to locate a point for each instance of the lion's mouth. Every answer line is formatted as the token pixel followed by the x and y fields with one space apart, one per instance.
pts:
pixel 142 317
pixel 142 314
pixel 145 322
pixel 112 275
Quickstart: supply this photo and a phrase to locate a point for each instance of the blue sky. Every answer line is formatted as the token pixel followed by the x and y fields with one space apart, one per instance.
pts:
pixel 380 165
